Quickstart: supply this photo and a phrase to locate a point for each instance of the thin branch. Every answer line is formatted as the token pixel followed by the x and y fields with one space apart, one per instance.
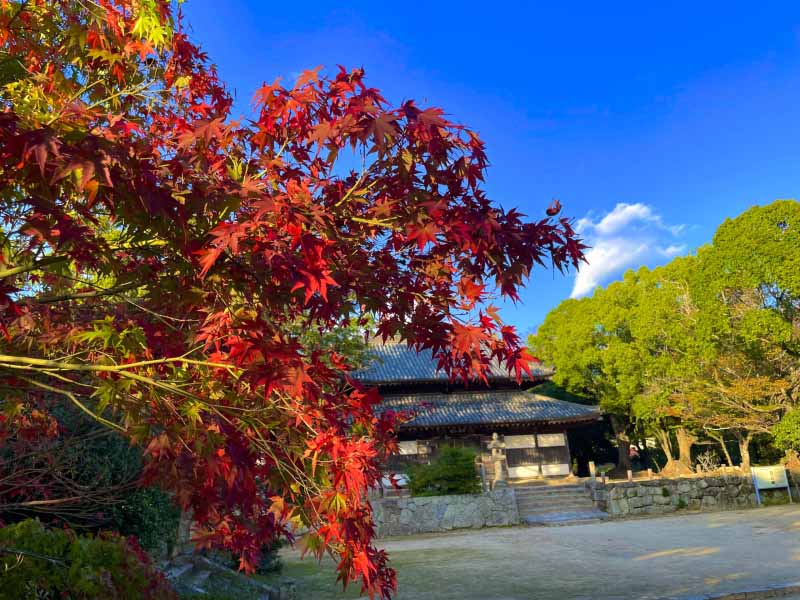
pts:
pixel 93 294
pixel 37 265
pixel 74 399
pixel 51 559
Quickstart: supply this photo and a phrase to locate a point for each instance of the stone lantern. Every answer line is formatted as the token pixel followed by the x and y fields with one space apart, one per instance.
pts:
pixel 498 461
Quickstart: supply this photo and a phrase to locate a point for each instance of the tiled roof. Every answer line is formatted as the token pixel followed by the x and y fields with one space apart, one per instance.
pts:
pixel 397 364
pixel 487 407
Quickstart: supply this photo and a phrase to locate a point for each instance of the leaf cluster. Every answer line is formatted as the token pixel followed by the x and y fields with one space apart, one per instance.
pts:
pixel 184 277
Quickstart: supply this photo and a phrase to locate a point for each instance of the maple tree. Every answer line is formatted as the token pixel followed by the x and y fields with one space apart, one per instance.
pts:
pixel 160 261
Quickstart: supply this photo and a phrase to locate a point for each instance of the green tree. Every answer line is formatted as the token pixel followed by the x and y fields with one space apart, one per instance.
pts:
pixel 586 340
pixel 666 330
pixel 704 347
pixel 747 286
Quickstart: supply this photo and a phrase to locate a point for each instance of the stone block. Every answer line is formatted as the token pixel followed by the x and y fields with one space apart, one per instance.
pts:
pixel 620 507
pixel 615 493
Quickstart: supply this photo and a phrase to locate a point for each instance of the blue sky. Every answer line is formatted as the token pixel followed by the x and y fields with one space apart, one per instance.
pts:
pixel 651 124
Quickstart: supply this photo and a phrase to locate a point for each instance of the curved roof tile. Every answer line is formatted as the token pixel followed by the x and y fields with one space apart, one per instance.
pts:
pixel 397 364
pixel 486 407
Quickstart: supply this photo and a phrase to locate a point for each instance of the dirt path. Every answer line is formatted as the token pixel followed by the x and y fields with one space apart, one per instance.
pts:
pixel 674 556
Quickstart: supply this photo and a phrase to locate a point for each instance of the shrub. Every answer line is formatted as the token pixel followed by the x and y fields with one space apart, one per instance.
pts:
pixel 681 504
pixel 453 472
pixel 93 472
pixel 606 468
pixel 58 563
pixel 269 561
pixel 707 462
pixel 151 516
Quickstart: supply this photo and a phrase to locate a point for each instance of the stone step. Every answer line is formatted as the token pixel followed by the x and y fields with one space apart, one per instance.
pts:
pixel 540 510
pixel 551 502
pixel 551 491
pixel 556 503
pixel 199 581
pixel 179 570
pixel 562 518
pixel 553 499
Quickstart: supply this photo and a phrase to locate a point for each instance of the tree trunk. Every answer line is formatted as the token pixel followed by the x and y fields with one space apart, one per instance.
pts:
pixel 665 442
pixel 623 444
pixel 744 450
pixel 673 468
pixel 685 442
pixel 720 439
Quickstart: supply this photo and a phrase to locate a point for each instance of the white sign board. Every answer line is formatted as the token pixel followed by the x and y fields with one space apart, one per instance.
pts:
pixel 399 478
pixel 770 478
pixel 552 440
pixel 407 448
pixel 519 441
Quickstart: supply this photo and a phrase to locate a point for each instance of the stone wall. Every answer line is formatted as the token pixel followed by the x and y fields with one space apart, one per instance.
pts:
pixel 660 496
pixel 429 514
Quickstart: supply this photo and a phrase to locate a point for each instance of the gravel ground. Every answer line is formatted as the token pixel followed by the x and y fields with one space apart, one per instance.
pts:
pixel 676 556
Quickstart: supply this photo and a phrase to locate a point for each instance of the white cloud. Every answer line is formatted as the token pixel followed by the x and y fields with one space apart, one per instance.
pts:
pixel 629 236
pixel 622 216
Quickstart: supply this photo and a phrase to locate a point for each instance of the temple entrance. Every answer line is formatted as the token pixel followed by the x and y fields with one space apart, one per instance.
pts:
pixel 537 455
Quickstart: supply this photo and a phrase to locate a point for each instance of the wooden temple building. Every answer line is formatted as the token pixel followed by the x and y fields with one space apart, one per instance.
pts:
pixel 533 427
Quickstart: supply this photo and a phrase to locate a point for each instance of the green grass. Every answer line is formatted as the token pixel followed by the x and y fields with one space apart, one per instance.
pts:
pixel 313 579
pixel 420 572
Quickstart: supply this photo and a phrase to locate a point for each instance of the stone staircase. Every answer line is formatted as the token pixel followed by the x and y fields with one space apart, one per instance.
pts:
pixel 553 505
pixel 197 575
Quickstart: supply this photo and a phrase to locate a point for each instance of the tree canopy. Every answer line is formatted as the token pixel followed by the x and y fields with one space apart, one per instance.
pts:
pixel 175 272
pixel 704 347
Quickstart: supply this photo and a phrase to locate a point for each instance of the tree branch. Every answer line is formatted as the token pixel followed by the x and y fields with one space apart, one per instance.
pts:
pixel 93 294
pixel 37 265
pixel 51 559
